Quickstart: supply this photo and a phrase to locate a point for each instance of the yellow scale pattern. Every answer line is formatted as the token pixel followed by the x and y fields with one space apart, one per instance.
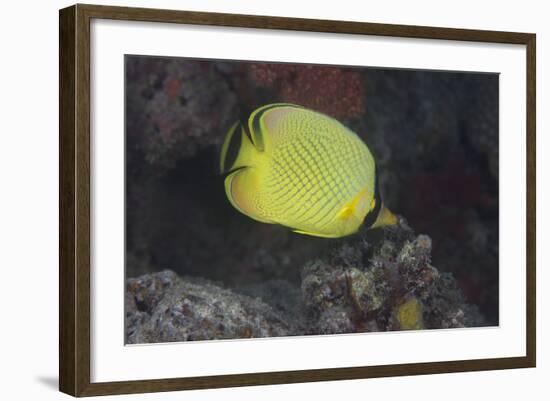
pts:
pixel 313 171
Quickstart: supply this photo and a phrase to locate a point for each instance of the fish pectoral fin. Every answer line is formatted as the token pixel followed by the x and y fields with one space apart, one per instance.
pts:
pixel 346 212
pixel 347 219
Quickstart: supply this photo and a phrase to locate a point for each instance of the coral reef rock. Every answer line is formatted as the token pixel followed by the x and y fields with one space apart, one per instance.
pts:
pixel 389 285
pixel 162 307
pixel 176 108
pixel 378 280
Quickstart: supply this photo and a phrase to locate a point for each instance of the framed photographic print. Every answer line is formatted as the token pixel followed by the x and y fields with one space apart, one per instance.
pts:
pixel 251 200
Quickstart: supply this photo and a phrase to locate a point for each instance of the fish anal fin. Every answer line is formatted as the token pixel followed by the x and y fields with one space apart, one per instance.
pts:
pixel 315 234
pixel 239 185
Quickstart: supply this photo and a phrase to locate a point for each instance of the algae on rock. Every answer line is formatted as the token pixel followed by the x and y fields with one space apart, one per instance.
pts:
pixel 162 307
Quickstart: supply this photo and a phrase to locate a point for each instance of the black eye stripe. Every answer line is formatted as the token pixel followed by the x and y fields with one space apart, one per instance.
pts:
pixel 371 216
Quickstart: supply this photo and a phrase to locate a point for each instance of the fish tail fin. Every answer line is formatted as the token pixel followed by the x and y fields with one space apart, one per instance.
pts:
pixel 238 151
pixel 385 218
pixel 240 162
pixel 225 147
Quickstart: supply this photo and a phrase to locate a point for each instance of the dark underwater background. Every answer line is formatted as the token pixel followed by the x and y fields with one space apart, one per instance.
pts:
pixel 434 135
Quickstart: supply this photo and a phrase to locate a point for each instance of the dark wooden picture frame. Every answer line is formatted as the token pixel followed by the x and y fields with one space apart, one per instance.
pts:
pixel 74 204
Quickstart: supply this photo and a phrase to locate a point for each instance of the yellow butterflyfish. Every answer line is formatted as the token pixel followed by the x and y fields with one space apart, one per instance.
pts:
pixel 304 170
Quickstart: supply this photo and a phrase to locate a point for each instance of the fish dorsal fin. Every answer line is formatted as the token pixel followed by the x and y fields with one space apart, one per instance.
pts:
pixel 264 120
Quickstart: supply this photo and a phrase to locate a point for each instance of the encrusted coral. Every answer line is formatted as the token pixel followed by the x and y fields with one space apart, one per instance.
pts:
pixel 409 315
pixel 336 91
